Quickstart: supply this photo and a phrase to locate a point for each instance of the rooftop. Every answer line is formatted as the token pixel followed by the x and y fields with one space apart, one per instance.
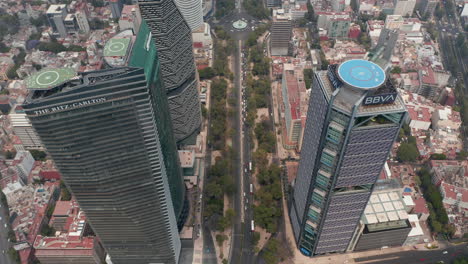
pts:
pixel 384 206
pixel 49 77
pixel 187 158
pixel 361 74
pixel 118 48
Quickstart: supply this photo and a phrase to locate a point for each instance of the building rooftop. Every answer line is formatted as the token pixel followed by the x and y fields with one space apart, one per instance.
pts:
pixel 420 206
pixel 384 206
pixel 56 9
pixel 49 77
pixel 361 74
pixel 62 208
pixel 118 48
pixel 187 158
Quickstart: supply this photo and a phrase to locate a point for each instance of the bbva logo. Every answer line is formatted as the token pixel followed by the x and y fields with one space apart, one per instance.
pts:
pixel 379 99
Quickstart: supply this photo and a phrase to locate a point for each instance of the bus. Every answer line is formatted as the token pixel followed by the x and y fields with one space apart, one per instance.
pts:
pixel 251 188
pixel 252 227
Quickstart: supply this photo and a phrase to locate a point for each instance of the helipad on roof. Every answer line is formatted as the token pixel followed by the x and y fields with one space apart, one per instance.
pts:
pixel 49 77
pixel 361 74
pixel 116 47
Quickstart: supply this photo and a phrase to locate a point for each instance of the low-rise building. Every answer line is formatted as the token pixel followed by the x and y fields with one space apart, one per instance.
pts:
pixel 385 221
pixel 419 118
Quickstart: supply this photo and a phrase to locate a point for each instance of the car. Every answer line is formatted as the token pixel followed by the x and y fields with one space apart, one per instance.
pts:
pixel 244 194
pixel 445 252
pixel 5 225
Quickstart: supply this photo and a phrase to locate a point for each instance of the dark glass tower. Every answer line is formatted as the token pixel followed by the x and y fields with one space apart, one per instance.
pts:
pixel 109 134
pixel 354 116
pixel 173 39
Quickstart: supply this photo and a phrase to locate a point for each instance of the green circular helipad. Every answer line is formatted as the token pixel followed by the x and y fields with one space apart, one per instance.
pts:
pixel 49 77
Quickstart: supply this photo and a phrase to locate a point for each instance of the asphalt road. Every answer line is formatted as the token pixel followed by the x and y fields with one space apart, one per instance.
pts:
pixel 241 247
pixel 417 257
pixel 4 244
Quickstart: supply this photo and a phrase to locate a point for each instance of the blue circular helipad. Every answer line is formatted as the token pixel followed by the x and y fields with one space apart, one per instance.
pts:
pixel 361 74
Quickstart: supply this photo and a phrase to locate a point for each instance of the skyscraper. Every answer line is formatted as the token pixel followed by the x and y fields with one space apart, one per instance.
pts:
pixel 404 7
pixel 354 116
pixel 109 134
pixel 192 12
pixel 173 39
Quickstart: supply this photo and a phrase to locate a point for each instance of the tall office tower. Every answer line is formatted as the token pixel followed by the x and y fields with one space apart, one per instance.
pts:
pixel 354 116
pixel 173 40
pixel 109 133
pixel 56 15
pixel 281 30
pixel 404 7
pixel 427 7
pixel 386 44
pixel 116 8
pixel 23 129
pixel 192 12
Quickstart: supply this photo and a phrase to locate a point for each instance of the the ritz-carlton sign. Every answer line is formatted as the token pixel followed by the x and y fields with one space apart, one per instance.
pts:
pixel 69 106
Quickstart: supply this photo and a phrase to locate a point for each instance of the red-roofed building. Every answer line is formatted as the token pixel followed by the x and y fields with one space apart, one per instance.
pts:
pixel 49 175
pixel 420 208
pixel 293 95
pixel 54 250
pixel 419 117
pixel 454 196
pixel 354 31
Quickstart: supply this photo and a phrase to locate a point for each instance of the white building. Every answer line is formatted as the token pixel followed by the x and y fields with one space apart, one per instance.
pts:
pixel 404 7
pixel 192 12
pixel 203 35
pixel 23 129
pixel 82 21
pixel 130 18
pixel 24 162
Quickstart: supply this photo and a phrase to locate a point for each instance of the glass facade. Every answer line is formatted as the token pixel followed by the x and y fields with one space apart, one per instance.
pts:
pixel 110 137
pixel 340 161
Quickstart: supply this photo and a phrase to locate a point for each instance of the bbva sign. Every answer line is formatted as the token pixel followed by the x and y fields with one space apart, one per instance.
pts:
pixel 379 99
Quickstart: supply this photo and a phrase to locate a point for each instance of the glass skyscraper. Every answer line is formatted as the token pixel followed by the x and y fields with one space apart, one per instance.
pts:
pixel 353 119
pixel 173 40
pixel 110 135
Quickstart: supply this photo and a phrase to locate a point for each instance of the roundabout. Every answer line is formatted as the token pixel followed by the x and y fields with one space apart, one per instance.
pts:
pixel 239 24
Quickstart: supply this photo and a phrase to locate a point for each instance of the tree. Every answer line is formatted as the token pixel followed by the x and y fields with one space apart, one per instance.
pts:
pixel 407 152
pixel 11 73
pixel 46 230
pixel 40 21
pixel 310 12
pixel 271 255
pixel 50 211
pixel 54 47
pixel 256 238
pixel 396 69
pixel 437 156
pixel 10 154
pixel 207 73
pixel 38 154
pixel 436 226
pixel 97 3
pixel 461 260
pixel 308 76
pixel 220 238
pixel 76 48
pixel 4 48
pixel 462 155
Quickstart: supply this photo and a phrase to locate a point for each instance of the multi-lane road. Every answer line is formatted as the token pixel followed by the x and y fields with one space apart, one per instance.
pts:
pixel 417 257
pixel 4 243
